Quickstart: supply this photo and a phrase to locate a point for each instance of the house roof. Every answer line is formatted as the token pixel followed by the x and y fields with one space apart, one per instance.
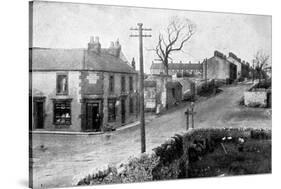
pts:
pixel 177 66
pixel 172 84
pixel 77 59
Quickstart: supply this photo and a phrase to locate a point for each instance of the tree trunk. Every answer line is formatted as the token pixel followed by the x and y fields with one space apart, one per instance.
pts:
pixel 166 66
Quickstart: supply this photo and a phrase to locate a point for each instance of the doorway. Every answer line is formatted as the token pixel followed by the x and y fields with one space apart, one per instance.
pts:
pixel 38 113
pixel 123 110
pixel 93 117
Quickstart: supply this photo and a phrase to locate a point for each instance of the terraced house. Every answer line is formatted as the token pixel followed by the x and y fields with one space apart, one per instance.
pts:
pixel 91 89
pixel 174 68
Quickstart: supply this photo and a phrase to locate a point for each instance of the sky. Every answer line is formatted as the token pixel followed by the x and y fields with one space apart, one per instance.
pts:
pixel 70 25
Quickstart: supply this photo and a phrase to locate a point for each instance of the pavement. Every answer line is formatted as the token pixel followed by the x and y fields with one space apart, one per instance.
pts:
pixel 59 158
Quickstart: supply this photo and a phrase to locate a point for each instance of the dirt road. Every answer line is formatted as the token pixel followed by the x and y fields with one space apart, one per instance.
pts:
pixel 58 158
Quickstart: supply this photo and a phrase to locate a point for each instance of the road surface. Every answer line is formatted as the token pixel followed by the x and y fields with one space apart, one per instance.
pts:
pixel 58 158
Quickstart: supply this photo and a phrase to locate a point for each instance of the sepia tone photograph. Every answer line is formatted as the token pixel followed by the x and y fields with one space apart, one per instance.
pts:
pixel 121 94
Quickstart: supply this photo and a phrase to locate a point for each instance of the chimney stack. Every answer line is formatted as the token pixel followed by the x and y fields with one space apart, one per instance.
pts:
pixel 94 45
pixel 134 63
pixel 115 48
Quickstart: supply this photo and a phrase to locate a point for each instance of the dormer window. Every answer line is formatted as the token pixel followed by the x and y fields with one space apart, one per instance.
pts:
pixel 62 84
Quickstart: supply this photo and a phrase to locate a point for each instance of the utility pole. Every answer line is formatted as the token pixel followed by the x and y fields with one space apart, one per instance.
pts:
pixel 206 69
pixel 142 119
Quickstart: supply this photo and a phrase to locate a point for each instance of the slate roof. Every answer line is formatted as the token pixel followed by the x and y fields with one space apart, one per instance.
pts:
pixel 77 59
pixel 177 66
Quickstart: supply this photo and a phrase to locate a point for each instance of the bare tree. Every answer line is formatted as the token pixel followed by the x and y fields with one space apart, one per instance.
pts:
pixel 260 61
pixel 173 39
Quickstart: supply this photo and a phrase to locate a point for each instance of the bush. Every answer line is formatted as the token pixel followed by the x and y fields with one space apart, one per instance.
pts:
pixel 136 170
pixel 177 157
pixel 139 169
pixel 264 84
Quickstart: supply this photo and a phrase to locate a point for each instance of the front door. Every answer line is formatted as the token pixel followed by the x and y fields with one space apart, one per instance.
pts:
pixel 39 114
pixel 123 110
pixel 93 117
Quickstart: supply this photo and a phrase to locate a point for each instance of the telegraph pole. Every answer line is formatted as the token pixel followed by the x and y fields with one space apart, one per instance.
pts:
pixel 142 119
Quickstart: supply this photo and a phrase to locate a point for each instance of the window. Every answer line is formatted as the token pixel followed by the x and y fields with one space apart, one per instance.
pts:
pixel 62 84
pixel 111 110
pixel 131 84
pixel 111 83
pixel 62 112
pixel 131 105
pixel 123 84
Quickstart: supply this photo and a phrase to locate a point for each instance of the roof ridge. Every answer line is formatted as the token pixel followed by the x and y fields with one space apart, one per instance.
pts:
pixel 49 48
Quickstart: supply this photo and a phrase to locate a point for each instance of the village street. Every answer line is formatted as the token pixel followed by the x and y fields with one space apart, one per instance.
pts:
pixel 57 158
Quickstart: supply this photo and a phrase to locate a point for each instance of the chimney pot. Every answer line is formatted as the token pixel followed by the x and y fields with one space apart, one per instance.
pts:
pixel 97 39
pixel 134 63
pixel 94 45
pixel 111 44
pixel 92 39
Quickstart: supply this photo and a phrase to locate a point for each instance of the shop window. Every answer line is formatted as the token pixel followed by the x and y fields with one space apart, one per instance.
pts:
pixel 62 84
pixel 62 112
pixel 111 110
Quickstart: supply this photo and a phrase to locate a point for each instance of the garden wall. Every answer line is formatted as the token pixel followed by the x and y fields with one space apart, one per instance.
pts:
pixel 255 98
pixel 171 159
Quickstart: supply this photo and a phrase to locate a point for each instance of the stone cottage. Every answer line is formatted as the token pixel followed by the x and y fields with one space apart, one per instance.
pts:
pixel 162 92
pixel 219 68
pixel 92 89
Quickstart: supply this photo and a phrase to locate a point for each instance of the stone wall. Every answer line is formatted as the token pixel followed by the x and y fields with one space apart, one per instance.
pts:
pixel 171 159
pixel 218 68
pixel 255 98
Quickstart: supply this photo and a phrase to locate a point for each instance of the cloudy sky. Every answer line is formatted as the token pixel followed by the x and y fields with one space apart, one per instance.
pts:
pixel 67 25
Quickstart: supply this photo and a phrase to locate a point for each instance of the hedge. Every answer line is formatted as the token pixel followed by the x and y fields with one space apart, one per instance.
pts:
pixel 170 160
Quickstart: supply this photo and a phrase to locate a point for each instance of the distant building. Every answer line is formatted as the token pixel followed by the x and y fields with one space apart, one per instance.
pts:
pixel 219 68
pixel 268 71
pixel 91 89
pixel 237 61
pixel 245 70
pixel 174 68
